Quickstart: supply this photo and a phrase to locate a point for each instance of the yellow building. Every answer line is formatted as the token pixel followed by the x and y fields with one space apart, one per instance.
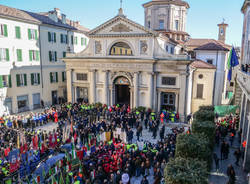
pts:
pixel 201 82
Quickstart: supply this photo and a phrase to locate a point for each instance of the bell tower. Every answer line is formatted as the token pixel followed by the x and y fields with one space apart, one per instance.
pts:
pixel 222 31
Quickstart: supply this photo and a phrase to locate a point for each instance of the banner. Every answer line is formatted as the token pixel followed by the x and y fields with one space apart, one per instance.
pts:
pixel 14 160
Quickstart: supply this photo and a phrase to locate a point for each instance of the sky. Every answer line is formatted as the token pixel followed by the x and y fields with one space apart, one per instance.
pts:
pixel 203 15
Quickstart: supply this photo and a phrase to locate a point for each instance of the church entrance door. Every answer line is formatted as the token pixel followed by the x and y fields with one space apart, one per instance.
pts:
pixel 122 91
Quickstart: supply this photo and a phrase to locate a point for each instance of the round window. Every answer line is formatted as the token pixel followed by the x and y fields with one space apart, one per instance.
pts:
pixel 200 76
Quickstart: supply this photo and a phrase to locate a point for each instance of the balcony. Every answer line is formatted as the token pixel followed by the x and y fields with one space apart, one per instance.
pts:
pixel 243 79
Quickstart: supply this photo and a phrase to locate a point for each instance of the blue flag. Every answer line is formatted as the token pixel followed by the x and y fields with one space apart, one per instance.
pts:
pixel 232 62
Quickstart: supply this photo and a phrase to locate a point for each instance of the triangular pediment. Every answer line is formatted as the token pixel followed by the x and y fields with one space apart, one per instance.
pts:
pixel 120 25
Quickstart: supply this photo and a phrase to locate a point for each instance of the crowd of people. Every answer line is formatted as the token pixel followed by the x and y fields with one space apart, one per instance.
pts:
pixel 105 156
pixel 225 137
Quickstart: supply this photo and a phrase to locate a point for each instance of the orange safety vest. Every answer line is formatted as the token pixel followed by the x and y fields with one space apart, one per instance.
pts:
pixel 244 144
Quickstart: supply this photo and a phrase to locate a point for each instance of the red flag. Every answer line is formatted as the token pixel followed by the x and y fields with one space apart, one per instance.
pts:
pixel 56 117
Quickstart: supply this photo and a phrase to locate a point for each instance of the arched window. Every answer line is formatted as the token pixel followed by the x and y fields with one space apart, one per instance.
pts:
pixel 121 49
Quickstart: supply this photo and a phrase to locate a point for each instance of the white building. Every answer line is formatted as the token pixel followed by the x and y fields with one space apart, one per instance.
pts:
pixel 25 54
pixel 243 79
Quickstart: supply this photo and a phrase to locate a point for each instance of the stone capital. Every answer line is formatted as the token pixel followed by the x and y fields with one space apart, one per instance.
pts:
pixel 92 70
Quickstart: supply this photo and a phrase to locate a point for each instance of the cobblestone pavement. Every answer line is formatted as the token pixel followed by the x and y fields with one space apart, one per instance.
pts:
pixel 221 177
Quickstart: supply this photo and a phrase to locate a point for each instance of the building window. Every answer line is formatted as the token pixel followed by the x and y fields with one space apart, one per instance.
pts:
pixel 34 55
pixel 21 80
pixel 32 34
pixel 19 54
pixel 75 40
pixel 199 91
pixel 178 37
pixel 52 56
pixel 210 61
pixel 4 54
pixel 3 30
pixel 121 48
pixel 177 25
pixel 81 76
pixel 64 38
pixel 63 76
pixel 167 48
pixel 171 81
pixel 172 50
pixel 64 54
pixel 52 37
pixel 35 79
pixel 149 25
pixel 231 84
pixel 18 32
pixel 168 101
pixel 23 103
pixel 161 24
pixel 53 77
pixel 83 41
pixel 5 81
pixel 200 76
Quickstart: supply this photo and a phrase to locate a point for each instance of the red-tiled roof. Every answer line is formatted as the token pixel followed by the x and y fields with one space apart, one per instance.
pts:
pixel 212 46
pixel 202 64
pixel 17 14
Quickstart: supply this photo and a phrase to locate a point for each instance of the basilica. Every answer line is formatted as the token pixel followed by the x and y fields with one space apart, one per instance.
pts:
pixel 127 63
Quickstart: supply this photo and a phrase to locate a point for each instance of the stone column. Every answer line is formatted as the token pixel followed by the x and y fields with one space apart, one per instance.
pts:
pixel 155 92
pixel 93 86
pixel 69 85
pixel 106 87
pixel 182 96
pixel 151 87
pixel 177 102
pixel 136 91
pixel 159 101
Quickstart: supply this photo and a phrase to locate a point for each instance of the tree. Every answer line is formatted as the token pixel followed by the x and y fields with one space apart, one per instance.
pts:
pixel 186 171
pixel 204 115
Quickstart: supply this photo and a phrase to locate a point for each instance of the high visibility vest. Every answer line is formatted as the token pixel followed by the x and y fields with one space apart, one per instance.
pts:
pixel 244 144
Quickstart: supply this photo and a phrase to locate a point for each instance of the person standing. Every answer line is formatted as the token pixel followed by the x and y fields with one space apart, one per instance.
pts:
pixel 237 155
pixel 216 160
pixel 231 174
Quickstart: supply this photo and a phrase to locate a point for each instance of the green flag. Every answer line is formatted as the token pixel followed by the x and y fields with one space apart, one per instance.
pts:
pixel 73 151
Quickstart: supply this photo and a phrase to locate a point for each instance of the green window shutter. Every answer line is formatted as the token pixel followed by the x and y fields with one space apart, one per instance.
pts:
pixel 19 55
pixel 32 79
pixel 1 81
pixel 37 55
pixel 61 38
pixel 18 33
pixel 29 34
pixel 25 79
pixel 55 56
pixel 66 36
pixel 82 41
pixel 38 76
pixel 51 77
pixel 36 35
pixel 49 36
pixel 76 40
pixel 10 82
pixel 55 37
pixel 31 55
pixel 64 54
pixel 72 40
pixel 7 54
pixel 85 41
pixel 17 80
pixel 5 30
pixel 50 56
pixel 56 77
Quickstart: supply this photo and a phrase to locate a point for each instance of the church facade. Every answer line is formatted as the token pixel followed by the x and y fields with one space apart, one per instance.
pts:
pixel 126 63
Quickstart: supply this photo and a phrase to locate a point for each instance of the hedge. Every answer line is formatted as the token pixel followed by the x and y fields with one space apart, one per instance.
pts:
pixel 204 115
pixel 206 108
pixel 193 146
pixel 204 127
pixel 186 171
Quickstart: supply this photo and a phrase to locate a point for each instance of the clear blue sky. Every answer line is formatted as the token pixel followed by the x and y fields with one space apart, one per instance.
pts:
pixel 203 15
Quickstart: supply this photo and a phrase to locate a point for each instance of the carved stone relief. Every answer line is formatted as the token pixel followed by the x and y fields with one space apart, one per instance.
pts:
pixel 120 28
pixel 98 47
pixel 143 47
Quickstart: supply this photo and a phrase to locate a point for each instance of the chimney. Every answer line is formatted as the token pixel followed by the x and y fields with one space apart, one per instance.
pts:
pixel 63 18
pixel 71 23
pixel 58 12
pixel 53 16
pixel 77 23
pixel 222 32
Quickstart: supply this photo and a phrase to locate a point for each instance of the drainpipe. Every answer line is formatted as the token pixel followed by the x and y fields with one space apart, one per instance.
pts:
pixel 186 92
pixel 41 63
pixel 217 55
